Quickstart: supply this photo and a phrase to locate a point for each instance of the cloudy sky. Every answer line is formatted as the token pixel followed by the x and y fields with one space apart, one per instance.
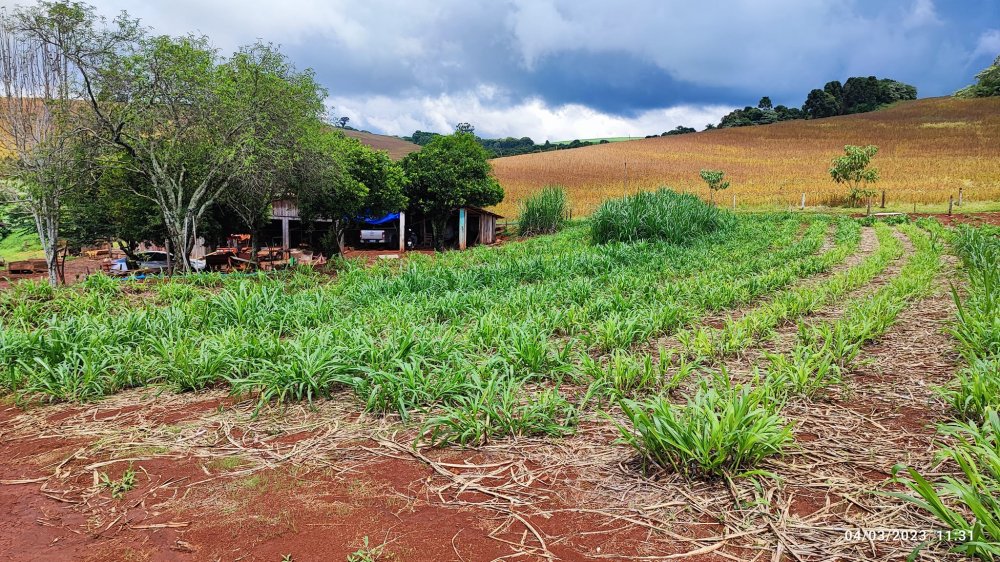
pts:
pixel 555 69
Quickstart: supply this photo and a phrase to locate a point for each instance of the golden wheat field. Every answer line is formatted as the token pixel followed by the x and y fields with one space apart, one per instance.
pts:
pixel 928 149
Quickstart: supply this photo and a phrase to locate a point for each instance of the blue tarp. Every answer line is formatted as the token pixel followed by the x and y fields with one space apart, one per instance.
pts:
pixel 381 220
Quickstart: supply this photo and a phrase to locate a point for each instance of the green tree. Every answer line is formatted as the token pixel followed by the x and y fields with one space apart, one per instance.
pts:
pixel 39 132
pixel 339 179
pixel 987 83
pixel 836 90
pixel 716 182
pixel 190 122
pixel 764 103
pixel 853 169
pixel 449 173
pixel 820 104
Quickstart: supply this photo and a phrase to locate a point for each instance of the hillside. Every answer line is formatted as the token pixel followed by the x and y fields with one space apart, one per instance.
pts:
pixel 928 149
pixel 396 146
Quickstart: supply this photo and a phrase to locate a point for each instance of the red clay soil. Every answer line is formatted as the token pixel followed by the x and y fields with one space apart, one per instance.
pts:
pixel 975 219
pixel 76 270
pixel 188 508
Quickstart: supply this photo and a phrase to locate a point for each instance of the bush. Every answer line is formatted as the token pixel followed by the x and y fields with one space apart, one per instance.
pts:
pixel 662 215
pixel 720 429
pixel 543 212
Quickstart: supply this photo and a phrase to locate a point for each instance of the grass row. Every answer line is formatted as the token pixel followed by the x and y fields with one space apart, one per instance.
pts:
pixel 728 428
pixel 967 503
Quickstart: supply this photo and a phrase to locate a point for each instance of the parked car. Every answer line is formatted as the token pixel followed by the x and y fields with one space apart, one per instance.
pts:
pixel 155 260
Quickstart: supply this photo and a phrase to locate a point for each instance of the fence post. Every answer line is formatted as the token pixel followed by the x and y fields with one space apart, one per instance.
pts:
pixel 960 197
pixel 951 200
pixel 803 201
pixel 883 198
pixel 734 201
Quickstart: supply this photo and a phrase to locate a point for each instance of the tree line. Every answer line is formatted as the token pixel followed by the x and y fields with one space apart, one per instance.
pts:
pixel 506 146
pixel 109 131
pixel 858 95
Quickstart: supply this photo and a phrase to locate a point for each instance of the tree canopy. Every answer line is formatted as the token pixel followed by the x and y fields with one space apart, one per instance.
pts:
pixel 987 83
pixel 452 171
pixel 853 169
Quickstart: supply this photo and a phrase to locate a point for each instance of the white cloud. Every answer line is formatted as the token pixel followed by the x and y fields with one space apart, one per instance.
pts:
pixel 531 118
pixel 988 44
pixel 923 13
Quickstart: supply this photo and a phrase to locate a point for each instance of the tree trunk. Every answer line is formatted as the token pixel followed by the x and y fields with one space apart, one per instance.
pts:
pixel 45 211
pixel 438 226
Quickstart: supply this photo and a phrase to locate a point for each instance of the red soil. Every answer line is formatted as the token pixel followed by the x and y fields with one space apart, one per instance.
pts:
pixel 189 508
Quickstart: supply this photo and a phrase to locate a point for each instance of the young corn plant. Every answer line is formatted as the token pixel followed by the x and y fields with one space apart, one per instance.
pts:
pixel 500 407
pixel 967 505
pixel 721 430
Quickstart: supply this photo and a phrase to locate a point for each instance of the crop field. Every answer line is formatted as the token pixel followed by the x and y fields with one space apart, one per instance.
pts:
pixel 928 149
pixel 784 387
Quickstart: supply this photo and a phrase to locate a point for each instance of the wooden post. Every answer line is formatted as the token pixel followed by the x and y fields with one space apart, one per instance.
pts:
pixel 734 201
pixel 402 231
pixel 286 237
pixel 803 201
pixel 869 206
pixel 951 201
pixel 883 198
pixel 960 197
pixel 461 228
pixel 914 206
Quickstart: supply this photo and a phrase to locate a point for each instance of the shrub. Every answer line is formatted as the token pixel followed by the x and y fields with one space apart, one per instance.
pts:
pixel 662 215
pixel 543 212
pixel 720 430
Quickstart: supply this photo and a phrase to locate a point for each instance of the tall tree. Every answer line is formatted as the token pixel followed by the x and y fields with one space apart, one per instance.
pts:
pixel 450 172
pixel 275 135
pixel 764 103
pixel 38 133
pixel 340 179
pixel 820 104
pixel 186 120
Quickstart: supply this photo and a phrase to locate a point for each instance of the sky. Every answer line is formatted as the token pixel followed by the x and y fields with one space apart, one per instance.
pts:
pixel 559 70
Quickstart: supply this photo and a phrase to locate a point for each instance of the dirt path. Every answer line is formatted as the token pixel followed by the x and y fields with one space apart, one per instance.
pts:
pixel 849 445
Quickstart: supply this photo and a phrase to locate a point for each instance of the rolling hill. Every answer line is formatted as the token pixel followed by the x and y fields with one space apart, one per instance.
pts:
pixel 396 146
pixel 928 149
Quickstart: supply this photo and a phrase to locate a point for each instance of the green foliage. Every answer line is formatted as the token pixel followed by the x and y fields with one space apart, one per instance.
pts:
pixel 339 178
pixel 715 181
pixel 662 215
pixel 977 327
pixel 366 553
pixel 543 212
pixel 721 430
pixel 852 169
pixel 987 85
pixel 450 172
pixel 501 407
pixel 968 505
pixel 121 486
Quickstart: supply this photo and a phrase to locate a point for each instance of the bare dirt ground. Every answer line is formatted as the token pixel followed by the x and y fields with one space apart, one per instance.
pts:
pixel 77 269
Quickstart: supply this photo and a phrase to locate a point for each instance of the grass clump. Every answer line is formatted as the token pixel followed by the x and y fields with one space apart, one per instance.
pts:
pixel 721 430
pixel 500 408
pixel 543 213
pixel 661 215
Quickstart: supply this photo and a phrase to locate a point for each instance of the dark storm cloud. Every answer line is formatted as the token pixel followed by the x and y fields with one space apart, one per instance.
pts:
pixel 627 64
